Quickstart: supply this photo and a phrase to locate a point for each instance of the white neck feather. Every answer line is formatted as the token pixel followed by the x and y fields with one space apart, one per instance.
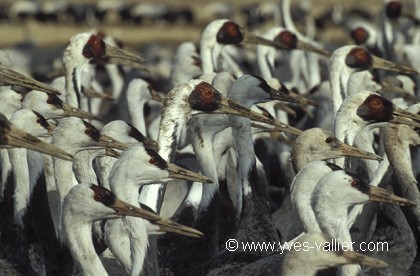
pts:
pixel 79 240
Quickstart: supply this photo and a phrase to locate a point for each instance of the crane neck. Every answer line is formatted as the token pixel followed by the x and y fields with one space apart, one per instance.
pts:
pixel 79 240
pixel 73 84
pixel 339 78
pixel 22 193
pixel 83 168
pixel 301 191
pixel 206 54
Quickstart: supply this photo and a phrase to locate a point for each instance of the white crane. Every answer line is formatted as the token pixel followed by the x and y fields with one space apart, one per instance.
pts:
pixel 335 193
pixel 12 137
pixel 125 181
pixel 73 135
pixel 398 139
pixel 222 32
pixel 87 47
pixel 349 59
pixel 367 109
pixel 84 204
pixel 26 172
pixel 310 151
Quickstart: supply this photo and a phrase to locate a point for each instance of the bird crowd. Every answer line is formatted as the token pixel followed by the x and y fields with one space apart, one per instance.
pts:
pixel 260 134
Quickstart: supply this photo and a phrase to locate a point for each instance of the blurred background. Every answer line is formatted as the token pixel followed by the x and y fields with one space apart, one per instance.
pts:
pixel 51 23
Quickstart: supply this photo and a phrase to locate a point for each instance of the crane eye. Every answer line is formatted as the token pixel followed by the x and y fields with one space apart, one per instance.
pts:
pixel 328 140
pixel 207 93
pixel 89 131
pixel 376 103
pixel 355 183
pixel 98 197
pixel 50 101
pixel 153 161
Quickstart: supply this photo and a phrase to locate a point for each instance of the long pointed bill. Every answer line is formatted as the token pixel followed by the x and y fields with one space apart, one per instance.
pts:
pixel 281 96
pixel 230 107
pixel 302 99
pixel 250 38
pixel 397 92
pixel 90 93
pixel 406 114
pixel 357 258
pixel 347 150
pixel 150 144
pixel 11 77
pixel 380 63
pixel 277 127
pixel 377 194
pixel 15 137
pixel 112 153
pixel 167 225
pixel 404 121
pixel 156 96
pixel 285 108
pixel 76 112
pixel 181 173
pixel 301 45
pixel 124 209
pixel 109 142
pixel 121 57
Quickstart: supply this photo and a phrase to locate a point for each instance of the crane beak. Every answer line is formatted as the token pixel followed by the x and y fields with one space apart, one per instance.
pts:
pixel 401 113
pixel 347 150
pixel 277 127
pixel 121 57
pixel 231 107
pixel 357 258
pixel 150 144
pixel 14 137
pixel 301 45
pixel 396 92
pixel 90 93
pixel 181 173
pixel 380 63
pixel 282 95
pixel 377 194
pixel 124 209
pixel 76 112
pixel 109 142
pixel 302 99
pixel 285 108
pixel 11 77
pixel 250 38
pixel 156 96
pixel 112 153
pixel 166 225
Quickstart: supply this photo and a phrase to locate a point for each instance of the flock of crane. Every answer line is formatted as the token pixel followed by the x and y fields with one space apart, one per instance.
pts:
pixel 281 141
